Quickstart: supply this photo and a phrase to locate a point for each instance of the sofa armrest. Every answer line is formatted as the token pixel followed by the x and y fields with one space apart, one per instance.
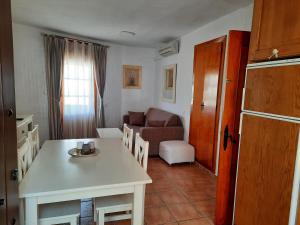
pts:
pixel 126 119
pixel 155 135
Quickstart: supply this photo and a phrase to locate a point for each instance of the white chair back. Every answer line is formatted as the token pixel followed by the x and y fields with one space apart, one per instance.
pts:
pixel 141 151
pixel 34 141
pixel 24 159
pixel 127 137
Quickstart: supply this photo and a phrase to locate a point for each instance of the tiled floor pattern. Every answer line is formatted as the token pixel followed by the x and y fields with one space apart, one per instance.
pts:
pixel 179 195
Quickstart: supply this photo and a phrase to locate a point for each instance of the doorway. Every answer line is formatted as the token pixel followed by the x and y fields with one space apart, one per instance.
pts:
pixel 205 114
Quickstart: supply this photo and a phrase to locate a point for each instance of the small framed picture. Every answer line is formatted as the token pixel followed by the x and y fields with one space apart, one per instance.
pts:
pixel 132 77
pixel 169 83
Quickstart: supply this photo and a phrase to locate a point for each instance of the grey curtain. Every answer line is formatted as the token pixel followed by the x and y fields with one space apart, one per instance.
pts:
pixel 100 58
pixel 54 55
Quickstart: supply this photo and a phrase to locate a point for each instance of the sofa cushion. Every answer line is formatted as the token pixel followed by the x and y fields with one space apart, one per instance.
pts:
pixel 156 123
pixel 136 129
pixel 171 120
pixel 136 118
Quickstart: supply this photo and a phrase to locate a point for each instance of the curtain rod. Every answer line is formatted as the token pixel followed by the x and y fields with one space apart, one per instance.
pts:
pixel 74 39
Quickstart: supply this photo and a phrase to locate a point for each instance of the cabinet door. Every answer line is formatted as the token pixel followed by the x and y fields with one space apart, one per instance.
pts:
pixel 275 25
pixel 274 90
pixel 267 158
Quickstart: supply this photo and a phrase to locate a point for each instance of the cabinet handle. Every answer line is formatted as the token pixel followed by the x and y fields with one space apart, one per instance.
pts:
pixel 275 53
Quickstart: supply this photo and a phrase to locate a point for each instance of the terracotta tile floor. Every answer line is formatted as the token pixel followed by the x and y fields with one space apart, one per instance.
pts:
pixel 181 194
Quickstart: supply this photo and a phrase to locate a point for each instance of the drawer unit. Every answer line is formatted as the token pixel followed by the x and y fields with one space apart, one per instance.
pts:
pixel 24 124
pixel 22 133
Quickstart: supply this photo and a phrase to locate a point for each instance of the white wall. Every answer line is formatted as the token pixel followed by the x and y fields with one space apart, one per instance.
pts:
pixel 30 80
pixel 31 96
pixel 140 99
pixel 238 20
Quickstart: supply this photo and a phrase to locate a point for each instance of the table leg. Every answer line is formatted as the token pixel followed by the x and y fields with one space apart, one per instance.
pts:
pixel 138 205
pixel 31 211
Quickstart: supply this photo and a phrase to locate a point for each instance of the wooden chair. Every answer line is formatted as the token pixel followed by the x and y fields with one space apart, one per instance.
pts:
pixel 60 213
pixel 49 214
pixel 121 203
pixel 141 151
pixel 24 159
pixel 127 137
pixel 34 141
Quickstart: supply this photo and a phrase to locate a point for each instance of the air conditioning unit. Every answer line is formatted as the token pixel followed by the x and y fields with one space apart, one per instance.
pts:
pixel 169 48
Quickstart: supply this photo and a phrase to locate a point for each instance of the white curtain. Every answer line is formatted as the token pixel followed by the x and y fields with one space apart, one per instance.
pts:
pixel 78 91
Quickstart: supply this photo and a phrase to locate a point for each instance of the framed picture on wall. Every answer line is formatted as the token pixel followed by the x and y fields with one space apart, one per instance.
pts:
pixel 132 77
pixel 169 83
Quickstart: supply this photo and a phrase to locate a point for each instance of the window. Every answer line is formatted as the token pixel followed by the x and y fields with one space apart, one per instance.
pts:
pixel 78 95
pixel 78 87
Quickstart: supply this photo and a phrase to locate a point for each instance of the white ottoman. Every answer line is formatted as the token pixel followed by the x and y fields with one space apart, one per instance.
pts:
pixel 176 152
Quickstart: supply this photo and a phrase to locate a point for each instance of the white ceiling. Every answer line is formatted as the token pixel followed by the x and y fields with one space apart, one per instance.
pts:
pixel 153 21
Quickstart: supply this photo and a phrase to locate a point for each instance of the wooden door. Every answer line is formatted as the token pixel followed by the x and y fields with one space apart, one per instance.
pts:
pixel 237 55
pixel 275 25
pixel 2 161
pixel 8 141
pixel 208 67
pixel 267 157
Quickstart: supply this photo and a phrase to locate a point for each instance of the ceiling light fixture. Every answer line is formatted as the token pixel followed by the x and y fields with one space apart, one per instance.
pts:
pixel 127 33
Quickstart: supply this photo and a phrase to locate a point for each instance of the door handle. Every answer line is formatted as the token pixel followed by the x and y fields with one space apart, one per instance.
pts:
pixel 10 112
pixel 2 201
pixel 13 221
pixel 202 105
pixel 227 136
pixel 14 174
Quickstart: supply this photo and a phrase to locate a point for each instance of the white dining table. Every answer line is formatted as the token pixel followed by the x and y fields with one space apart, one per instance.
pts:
pixel 109 133
pixel 55 176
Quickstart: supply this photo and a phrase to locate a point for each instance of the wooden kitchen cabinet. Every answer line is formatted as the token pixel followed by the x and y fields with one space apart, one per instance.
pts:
pixel 275 26
pixel 266 171
pixel 273 90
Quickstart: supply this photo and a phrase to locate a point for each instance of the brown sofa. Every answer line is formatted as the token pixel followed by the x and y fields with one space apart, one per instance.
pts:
pixel 172 128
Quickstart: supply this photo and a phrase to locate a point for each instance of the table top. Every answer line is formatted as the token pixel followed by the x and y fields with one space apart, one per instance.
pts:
pixel 109 133
pixel 55 171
